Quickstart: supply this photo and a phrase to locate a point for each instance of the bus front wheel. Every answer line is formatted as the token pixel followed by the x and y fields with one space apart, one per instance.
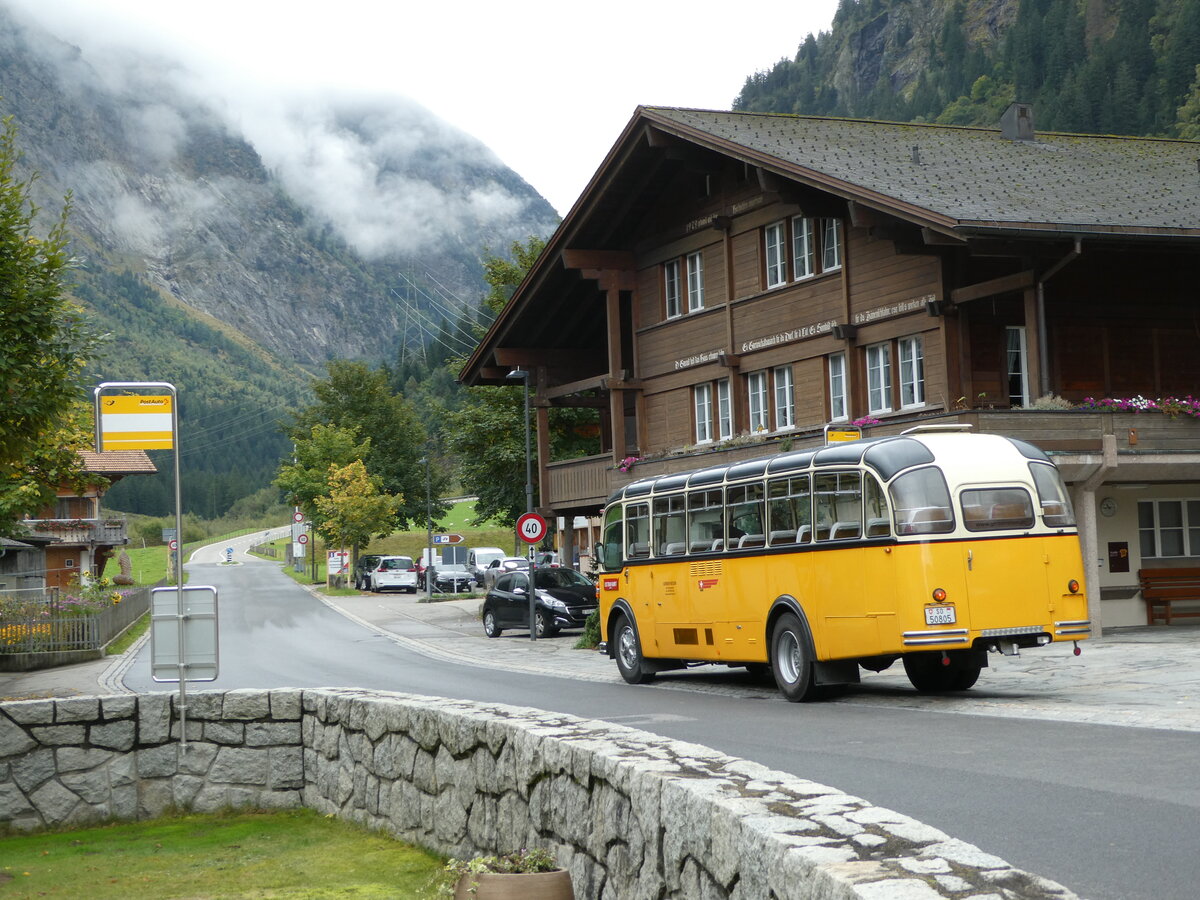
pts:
pixel 629 652
pixel 930 675
pixel 792 659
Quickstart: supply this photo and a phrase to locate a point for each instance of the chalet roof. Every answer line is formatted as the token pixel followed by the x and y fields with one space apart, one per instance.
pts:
pixel 118 462
pixel 969 178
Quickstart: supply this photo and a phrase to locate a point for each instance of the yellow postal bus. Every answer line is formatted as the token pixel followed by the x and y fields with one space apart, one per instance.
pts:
pixel 933 547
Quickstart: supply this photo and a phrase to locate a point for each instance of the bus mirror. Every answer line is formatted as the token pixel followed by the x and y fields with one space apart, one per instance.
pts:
pixel 601 554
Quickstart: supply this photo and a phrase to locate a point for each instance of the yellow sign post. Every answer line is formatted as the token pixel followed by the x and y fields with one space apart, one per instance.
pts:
pixel 136 422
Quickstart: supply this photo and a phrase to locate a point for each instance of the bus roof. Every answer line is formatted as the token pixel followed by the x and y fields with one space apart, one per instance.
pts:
pixel 886 455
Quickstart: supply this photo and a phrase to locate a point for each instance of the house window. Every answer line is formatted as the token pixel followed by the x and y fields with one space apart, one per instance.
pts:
pixel 776 261
pixel 785 399
pixel 879 378
pixel 756 388
pixel 838 404
pixel 671 288
pixel 804 250
pixel 912 373
pixel 702 401
pixel 831 244
pixel 695 276
pixel 1016 366
pixel 724 411
pixel 1169 528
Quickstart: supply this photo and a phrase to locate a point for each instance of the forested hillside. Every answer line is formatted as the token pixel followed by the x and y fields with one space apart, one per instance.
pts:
pixel 1093 66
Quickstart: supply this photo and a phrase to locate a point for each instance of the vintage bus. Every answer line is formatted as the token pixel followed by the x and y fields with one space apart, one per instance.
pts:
pixel 932 547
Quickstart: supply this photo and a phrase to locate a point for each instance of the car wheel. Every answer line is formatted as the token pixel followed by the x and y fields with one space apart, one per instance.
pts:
pixel 629 652
pixel 792 659
pixel 545 624
pixel 490 626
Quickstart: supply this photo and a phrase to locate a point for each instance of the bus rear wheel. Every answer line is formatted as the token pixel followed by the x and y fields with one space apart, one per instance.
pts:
pixel 930 675
pixel 629 652
pixel 792 659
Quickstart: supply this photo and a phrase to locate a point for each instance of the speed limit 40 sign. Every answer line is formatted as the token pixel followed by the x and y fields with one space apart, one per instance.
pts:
pixel 531 528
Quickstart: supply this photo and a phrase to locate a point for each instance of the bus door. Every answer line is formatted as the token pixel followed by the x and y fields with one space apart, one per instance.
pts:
pixel 695 602
pixel 1005 576
pixel 852 582
pixel 674 631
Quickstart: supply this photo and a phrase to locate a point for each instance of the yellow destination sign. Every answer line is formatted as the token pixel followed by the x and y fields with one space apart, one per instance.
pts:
pixel 836 436
pixel 133 422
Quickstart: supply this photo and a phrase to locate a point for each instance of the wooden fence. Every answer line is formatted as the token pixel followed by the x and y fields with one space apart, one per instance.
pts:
pixel 40 626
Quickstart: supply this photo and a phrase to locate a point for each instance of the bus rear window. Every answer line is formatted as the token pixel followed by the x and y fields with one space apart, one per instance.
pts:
pixel 1057 511
pixel 997 509
pixel 921 503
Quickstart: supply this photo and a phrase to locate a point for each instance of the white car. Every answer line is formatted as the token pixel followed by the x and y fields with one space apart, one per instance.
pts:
pixel 393 573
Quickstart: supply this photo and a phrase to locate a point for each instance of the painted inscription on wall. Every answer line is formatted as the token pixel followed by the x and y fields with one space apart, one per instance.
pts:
pixel 892 309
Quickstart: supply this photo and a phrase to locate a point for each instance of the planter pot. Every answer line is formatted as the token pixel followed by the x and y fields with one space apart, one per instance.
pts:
pixel 554 885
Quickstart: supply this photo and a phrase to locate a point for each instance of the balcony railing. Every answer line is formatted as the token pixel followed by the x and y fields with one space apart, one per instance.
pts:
pixel 588 481
pixel 81 531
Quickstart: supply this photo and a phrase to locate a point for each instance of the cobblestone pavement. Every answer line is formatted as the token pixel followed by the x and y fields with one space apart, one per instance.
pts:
pixel 1146 677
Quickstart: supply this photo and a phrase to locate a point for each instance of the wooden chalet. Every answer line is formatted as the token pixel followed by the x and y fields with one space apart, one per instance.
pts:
pixel 732 282
pixel 75 538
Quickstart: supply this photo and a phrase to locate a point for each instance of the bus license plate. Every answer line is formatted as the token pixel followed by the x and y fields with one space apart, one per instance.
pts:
pixel 939 615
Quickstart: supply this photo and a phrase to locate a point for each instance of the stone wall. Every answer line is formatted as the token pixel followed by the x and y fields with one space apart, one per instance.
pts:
pixel 630 814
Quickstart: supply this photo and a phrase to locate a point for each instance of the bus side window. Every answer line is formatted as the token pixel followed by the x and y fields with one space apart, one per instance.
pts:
pixel 745 504
pixel 921 503
pixel 789 508
pixel 608 551
pixel 637 530
pixel 838 505
pixel 875 504
pixel 705 512
pixel 669 525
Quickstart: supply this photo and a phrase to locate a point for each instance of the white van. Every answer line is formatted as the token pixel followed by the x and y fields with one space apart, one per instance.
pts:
pixel 478 559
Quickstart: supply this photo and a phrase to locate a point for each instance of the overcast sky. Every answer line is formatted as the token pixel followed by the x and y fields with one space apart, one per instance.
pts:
pixel 546 84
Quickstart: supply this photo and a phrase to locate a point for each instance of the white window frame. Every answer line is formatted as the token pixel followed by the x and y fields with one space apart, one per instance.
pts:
pixel 879 378
pixel 757 406
pixel 1190 542
pixel 724 410
pixel 671 289
pixel 775 247
pixel 1015 335
pixel 912 372
pixel 703 408
pixel 831 244
pixel 785 398
pixel 695 281
pixel 839 405
pixel 804 249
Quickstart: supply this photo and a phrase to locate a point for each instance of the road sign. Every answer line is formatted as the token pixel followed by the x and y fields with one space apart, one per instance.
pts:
pixel 229 554
pixel 302 539
pixel 173 545
pixel 297 516
pixel 531 528
pixel 136 422
pixel 189 622
pixel 448 539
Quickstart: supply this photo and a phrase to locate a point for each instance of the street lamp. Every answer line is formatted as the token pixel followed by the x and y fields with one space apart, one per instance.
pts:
pixel 522 375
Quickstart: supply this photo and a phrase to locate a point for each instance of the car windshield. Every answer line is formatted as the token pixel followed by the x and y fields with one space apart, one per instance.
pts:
pixel 556 578
pixel 396 562
pixel 452 569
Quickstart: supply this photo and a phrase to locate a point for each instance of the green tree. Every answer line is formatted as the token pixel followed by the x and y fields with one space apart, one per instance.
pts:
pixel 359 398
pixel 306 477
pixel 45 349
pixel 1187 122
pixel 354 510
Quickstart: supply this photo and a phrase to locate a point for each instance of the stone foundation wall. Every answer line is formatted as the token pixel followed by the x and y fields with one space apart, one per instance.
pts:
pixel 630 814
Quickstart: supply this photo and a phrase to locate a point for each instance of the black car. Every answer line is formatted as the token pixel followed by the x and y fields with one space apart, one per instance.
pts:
pixel 362 569
pixel 452 579
pixel 564 600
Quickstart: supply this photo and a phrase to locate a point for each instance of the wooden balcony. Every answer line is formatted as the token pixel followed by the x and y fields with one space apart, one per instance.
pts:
pixel 1150 446
pixel 89 532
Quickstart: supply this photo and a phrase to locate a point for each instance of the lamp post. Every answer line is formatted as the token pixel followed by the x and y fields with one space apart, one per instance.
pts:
pixel 428 530
pixel 523 376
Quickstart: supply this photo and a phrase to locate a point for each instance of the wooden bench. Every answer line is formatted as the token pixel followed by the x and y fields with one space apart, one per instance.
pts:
pixel 1163 588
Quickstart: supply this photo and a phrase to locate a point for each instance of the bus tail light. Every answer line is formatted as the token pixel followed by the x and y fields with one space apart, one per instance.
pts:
pixel 939 595
pixel 1073 586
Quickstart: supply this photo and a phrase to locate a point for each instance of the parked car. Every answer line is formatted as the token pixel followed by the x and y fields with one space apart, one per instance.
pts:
pixel 453 578
pixel 549 559
pixel 564 599
pixel 363 567
pixel 501 565
pixel 393 573
pixel 479 558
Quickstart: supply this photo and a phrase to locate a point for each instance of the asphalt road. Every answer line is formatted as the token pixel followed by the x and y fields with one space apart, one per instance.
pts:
pixel 1111 812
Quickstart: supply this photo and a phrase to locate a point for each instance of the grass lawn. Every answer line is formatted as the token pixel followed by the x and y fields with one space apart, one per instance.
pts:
pixel 295 854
